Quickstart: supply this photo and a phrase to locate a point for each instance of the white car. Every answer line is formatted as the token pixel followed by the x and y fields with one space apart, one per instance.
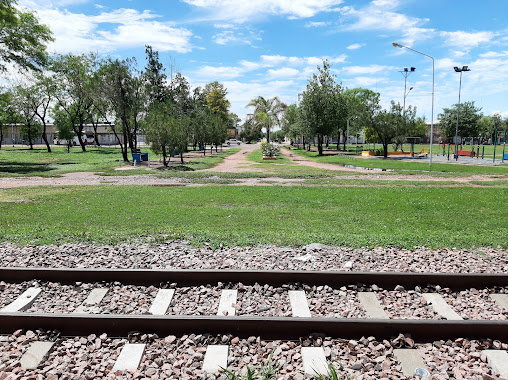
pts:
pixel 233 141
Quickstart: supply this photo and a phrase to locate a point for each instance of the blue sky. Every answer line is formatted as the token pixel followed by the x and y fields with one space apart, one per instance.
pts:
pixel 272 47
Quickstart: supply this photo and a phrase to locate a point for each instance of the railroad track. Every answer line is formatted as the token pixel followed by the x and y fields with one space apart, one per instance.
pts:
pixel 299 324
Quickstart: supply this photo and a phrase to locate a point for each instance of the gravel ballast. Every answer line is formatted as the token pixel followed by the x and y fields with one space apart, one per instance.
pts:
pixel 181 357
pixel 180 255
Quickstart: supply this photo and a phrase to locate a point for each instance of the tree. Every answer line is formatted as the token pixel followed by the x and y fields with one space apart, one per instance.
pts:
pixel 391 126
pixel 8 112
pixel 267 112
pixel 215 95
pixel 321 105
pixel 24 104
pixel 63 123
pixel 43 93
pixel 22 38
pixel 165 133
pixel 155 78
pixel 488 125
pixel 469 116
pixel 123 91
pixel 250 132
pixel 74 78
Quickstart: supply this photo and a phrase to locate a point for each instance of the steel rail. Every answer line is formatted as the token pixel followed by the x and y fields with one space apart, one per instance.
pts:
pixel 284 328
pixel 155 277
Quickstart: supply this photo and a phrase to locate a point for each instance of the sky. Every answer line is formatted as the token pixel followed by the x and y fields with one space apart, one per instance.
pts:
pixel 272 47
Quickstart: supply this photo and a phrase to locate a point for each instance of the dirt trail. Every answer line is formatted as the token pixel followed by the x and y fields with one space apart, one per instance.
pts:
pixel 304 161
pixel 237 163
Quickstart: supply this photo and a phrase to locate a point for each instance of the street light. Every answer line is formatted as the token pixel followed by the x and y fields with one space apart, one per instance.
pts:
pixel 457 70
pixel 432 112
pixel 405 73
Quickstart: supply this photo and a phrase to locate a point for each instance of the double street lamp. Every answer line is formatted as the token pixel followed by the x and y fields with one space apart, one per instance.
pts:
pixel 458 70
pixel 405 73
pixel 432 112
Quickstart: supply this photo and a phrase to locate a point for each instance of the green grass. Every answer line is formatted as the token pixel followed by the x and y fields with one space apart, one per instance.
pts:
pixel 403 166
pixel 288 216
pixel 15 162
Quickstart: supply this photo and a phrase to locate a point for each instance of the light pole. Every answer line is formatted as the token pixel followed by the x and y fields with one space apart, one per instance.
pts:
pixel 432 112
pixel 457 70
pixel 405 73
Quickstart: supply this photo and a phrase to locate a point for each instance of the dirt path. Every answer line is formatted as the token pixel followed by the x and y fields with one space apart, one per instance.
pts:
pixel 306 162
pixel 237 163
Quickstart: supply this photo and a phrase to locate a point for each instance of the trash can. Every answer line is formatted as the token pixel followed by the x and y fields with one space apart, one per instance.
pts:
pixel 144 156
pixel 136 157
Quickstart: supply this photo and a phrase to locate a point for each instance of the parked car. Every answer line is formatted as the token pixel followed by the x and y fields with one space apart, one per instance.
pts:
pixel 233 141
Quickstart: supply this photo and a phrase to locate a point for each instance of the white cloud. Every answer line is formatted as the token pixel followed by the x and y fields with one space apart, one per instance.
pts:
pixel 494 54
pixel 467 40
pixel 355 46
pixel 316 24
pixel 380 15
pixel 359 70
pixel 245 10
pixel 234 36
pixel 217 73
pixel 285 72
pixel 109 31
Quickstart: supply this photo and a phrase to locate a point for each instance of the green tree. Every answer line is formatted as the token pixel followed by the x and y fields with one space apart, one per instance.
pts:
pixel 469 117
pixel 165 133
pixel 22 38
pixel 30 128
pixel 75 80
pixel 250 131
pixel 123 91
pixel 321 105
pixel 216 99
pixel 267 113
pixel 42 95
pixel 391 126
pixel 63 124
pixel 8 112
pixel 155 78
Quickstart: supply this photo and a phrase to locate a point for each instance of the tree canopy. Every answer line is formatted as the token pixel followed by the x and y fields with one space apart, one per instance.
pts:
pixel 22 39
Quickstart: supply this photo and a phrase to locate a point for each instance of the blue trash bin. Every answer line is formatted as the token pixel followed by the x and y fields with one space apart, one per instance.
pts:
pixel 136 157
pixel 144 156
pixel 505 156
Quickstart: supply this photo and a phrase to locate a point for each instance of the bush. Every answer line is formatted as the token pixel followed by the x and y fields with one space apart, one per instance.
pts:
pixel 270 150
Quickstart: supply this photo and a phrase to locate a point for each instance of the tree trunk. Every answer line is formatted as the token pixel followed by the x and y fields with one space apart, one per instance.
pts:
pixel 79 133
pixel 45 137
pixel 303 139
pixel 343 140
pixel 181 158
pixel 96 136
pixel 320 145
pixel 1 135
pixel 385 150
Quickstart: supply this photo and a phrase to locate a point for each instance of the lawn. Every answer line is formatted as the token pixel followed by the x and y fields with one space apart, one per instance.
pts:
pixel 404 167
pixel 460 217
pixel 16 162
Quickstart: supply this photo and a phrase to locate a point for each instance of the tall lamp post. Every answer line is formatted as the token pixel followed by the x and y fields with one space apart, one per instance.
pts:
pixel 457 70
pixel 432 112
pixel 405 73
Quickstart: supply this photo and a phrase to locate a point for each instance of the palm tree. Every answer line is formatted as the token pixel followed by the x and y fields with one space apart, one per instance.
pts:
pixel 267 112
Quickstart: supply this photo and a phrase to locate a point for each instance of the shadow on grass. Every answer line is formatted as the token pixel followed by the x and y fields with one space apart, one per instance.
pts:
pixel 182 168
pixel 21 168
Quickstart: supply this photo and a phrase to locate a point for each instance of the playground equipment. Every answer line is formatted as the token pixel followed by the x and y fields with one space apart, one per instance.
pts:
pixel 501 137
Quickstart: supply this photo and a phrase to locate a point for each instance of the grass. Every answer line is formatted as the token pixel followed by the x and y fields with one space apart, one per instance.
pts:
pixel 404 166
pixel 435 217
pixel 15 162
